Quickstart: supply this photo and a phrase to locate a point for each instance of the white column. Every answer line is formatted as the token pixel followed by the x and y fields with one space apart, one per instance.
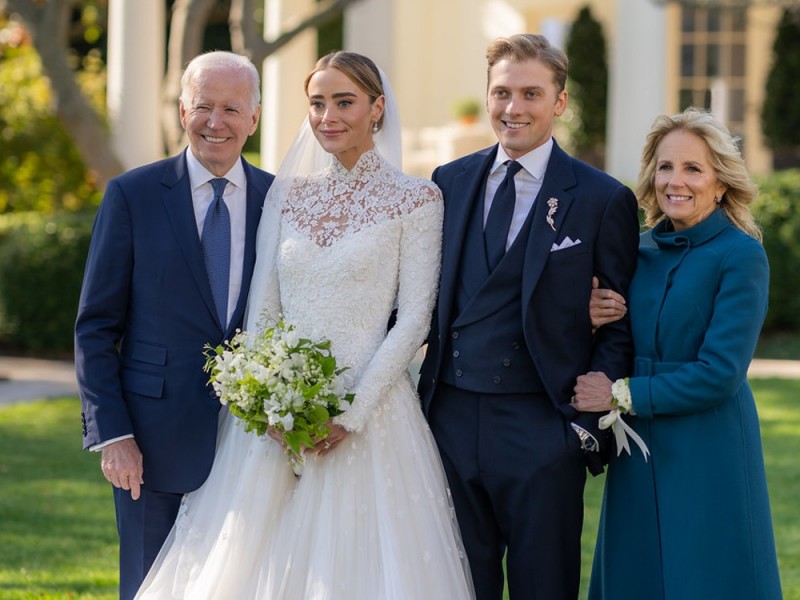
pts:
pixel 638 76
pixel 136 46
pixel 369 30
pixel 283 100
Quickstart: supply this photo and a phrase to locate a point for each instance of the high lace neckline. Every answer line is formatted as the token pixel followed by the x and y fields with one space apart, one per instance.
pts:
pixel 369 163
pixel 338 202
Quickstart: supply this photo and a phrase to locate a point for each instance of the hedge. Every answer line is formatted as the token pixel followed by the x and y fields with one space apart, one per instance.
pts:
pixel 777 210
pixel 41 268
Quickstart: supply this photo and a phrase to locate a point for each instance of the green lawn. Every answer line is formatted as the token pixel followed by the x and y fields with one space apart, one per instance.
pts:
pixel 57 535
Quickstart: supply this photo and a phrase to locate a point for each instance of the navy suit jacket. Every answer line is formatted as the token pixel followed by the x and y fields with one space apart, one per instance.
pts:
pixel 556 285
pixel 145 313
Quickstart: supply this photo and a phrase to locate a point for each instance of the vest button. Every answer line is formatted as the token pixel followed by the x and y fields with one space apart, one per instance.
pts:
pixel 459 372
pixel 506 362
pixel 496 379
pixel 456 353
pixel 455 335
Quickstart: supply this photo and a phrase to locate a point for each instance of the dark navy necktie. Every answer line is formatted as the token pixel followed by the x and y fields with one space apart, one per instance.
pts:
pixel 501 213
pixel 216 243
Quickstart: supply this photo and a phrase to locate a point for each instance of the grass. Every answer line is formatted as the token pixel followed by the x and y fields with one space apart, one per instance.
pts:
pixel 57 533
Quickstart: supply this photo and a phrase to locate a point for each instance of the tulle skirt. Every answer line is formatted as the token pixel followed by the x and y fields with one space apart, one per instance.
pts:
pixel 371 520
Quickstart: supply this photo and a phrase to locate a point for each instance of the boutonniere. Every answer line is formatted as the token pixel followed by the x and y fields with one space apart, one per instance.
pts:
pixel 551 212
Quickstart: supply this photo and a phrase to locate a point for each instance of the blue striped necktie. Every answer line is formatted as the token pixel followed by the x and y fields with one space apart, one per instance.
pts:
pixel 216 244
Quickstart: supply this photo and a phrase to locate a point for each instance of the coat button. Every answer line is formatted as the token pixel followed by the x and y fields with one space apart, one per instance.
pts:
pixel 455 335
pixel 459 372
pixel 515 345
pixel 506 362
pixel 456 353
pixel 496 379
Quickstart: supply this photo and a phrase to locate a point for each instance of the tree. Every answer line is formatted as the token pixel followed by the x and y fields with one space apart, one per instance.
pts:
pixel 780 116
pixel 586 48
pixel 48 22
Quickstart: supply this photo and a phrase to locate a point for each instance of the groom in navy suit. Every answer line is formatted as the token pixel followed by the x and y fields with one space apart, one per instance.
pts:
pixel 155 292
pixel 525 228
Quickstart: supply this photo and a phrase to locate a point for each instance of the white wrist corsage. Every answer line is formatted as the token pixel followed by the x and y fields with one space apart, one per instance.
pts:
pixel 621 394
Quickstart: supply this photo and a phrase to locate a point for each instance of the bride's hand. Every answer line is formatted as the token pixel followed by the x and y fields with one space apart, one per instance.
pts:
pixel 333 439
pixel 277 436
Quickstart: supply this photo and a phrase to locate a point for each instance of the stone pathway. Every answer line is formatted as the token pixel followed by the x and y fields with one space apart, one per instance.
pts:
pixel 25 379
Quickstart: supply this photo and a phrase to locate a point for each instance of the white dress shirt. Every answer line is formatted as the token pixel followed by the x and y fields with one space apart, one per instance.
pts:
pixel 528 182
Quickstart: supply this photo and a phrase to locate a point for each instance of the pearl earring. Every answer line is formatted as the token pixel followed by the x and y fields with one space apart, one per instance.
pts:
pixel 374 128
pixel 718 199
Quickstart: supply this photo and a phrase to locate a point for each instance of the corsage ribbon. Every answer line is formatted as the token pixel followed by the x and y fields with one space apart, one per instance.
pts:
pixel 621 394
pixel 621 432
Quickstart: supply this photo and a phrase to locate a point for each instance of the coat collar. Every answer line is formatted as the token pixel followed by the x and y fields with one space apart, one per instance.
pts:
pixel 708 228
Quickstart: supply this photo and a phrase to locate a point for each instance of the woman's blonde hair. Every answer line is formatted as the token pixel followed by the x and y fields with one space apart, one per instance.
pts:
pixel 725 159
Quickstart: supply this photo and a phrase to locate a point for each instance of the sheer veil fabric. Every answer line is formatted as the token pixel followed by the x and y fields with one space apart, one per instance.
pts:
pixel 373 519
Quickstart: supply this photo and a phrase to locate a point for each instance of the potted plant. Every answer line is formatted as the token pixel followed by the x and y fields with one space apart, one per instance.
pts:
pixel 467 110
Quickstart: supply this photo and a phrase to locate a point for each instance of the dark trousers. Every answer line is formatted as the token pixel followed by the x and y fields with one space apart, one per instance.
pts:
pixel 143 525
pixel 516 473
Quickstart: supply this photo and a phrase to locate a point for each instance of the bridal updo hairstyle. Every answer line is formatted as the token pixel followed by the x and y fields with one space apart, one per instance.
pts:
pixel 529 46
pixel 358 68
pixel 725 158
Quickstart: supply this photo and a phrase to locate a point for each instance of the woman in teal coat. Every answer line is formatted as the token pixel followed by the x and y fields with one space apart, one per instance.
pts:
pixel 692 519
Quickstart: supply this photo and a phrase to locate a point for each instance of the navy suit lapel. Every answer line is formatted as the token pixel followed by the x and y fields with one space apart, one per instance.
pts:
pixel 180 210
pixel 462 198
pixel 558 178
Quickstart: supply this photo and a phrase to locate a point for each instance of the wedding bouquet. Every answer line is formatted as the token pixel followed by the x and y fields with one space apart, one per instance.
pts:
pixel 278 379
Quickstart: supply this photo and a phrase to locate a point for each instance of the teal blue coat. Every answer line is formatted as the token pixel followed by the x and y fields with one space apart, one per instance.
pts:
pixel 693 522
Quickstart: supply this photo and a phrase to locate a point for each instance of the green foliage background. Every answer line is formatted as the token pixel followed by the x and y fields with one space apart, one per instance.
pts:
pixel 588 80
pixel 777 210
pixel 781 111
pixel 41 269
pixel 40 168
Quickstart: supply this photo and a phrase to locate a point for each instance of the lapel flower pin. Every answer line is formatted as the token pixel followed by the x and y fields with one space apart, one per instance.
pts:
pixel 551 212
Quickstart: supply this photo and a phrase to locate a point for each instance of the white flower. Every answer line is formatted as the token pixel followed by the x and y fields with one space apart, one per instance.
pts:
pixel 287 421
pixel 621 392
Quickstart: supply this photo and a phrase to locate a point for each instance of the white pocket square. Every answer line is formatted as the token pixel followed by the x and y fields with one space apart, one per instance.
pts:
pixel 565 243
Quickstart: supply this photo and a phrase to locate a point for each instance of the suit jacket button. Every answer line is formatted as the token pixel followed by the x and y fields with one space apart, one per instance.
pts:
pixel 459 372
pixel 455 335
pixel 496 379
pixel 456 353
pixel 515 345
pixel 506 362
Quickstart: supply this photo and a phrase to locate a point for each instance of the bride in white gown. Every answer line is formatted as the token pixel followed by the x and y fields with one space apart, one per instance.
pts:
pixel 344 239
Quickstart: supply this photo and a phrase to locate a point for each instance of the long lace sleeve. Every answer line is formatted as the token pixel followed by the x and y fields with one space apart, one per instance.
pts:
pixel 420 250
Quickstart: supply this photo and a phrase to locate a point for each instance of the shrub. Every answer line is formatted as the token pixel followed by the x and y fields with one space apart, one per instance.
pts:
pixel 778 212
pixel 40 167
pixel 41 268
pixel 588 81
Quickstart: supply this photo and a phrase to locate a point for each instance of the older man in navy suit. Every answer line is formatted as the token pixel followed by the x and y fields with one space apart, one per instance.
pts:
pixel 525 228
pixel 172 252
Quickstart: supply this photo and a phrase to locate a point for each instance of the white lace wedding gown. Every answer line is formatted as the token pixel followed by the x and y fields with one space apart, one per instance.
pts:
pixel 371 520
